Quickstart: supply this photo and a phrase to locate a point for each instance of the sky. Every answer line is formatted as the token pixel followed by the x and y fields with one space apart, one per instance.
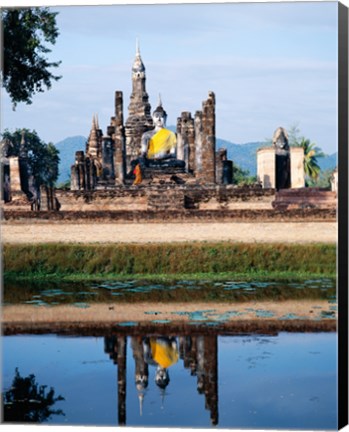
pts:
pixel 269 65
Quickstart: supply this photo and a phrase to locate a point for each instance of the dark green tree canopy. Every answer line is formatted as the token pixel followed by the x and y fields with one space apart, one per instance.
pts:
pixel 25 68
pixel 43 159
pixel 28 402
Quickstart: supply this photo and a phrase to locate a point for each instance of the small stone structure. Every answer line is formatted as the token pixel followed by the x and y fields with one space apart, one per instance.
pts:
pixel 15 173
pixel 19 190
pixel 280 166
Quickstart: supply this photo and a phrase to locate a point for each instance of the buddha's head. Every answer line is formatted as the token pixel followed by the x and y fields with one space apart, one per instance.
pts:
pixel 159 117
pixel 162 377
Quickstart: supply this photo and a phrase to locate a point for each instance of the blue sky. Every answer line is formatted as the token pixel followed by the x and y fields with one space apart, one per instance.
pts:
pixel 269 64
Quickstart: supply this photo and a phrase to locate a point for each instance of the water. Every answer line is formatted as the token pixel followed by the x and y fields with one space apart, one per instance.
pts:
pixel 48 294
pixel 282 381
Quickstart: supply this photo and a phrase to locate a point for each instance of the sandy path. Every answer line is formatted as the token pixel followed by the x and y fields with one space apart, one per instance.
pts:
pixel 148 312
pixel 289 232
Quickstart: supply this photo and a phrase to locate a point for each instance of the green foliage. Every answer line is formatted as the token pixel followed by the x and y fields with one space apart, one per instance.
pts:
pixel 28 402
pixel 311 154
pixel 43 159
pixel 26 67
pixel 129 259
pixel 242 177
pixel 322 181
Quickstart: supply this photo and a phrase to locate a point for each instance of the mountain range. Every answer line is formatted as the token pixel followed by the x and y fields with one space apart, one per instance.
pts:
pixel 243 155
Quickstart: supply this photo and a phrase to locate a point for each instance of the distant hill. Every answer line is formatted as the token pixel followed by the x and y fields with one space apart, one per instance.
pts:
pixel 328 162
pixel 67 149
pixel 243 155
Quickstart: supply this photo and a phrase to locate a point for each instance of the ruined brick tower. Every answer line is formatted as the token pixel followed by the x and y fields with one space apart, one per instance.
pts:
pixel 139 110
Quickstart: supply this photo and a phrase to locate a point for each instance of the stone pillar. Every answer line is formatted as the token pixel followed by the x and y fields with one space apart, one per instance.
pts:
pixel 209 140
pixel 266 167
pixel 119 140
pixel 44 198
pixel 334 181
pixel 74 178
pixel 108 159
pixel 297 167
pixel 180 142
pixel 221 156
pixel 87 172
pixel 227 172
pixel 198 144
pixel 186 139
pixel 80 169
pixel 5 184
pixel 15 177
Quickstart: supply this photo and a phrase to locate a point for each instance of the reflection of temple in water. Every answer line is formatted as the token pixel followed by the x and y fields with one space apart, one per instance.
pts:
pixel 198 353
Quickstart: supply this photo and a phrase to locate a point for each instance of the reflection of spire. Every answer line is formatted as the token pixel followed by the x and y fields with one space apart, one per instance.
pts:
pixel 141 398
pixel 162 392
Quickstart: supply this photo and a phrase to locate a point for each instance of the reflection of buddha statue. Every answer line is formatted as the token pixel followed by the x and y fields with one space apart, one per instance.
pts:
pixel 163 353
pixel 159 143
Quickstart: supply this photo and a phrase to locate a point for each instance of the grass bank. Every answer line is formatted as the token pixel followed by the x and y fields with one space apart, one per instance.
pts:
pixel 169 261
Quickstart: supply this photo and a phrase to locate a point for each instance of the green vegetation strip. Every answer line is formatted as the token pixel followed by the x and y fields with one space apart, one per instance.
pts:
pixel 197 260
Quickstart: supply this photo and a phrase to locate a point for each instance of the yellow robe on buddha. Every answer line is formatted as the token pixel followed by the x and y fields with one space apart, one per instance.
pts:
pixel 161 143
pixel 163 354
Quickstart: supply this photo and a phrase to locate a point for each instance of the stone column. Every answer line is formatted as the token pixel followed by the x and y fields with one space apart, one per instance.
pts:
pixel 44 198
pixel 186 138
pixel 108 159
pixel 74 178
pixel 221 156
pixel 266 167
pixel 15 177
pixel 198 144
pixel 180 142
pixel 209 140
pixel 334 181
pixel 118 134
pixel 297 167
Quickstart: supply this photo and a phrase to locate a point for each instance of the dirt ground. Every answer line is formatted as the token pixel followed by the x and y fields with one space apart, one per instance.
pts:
pixel 285 232
pixel 148 312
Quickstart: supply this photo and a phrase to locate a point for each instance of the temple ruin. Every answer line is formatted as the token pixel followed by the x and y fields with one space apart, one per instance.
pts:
pixel 138 166
pixel 107 161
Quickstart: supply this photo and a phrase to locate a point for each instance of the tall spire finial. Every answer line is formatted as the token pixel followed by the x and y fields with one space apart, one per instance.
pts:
pixel 94 126
pixel 138 52
pixel 160 101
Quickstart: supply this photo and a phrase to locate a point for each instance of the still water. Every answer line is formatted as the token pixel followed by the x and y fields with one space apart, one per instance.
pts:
pixel 287 380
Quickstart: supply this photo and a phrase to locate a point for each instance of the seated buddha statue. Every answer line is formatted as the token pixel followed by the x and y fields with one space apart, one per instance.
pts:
pixel 158 146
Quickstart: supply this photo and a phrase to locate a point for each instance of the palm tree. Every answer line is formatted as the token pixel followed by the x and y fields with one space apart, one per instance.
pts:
pixel 311 154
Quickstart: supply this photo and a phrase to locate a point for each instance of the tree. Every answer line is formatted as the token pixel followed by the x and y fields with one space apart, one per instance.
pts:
pixel 28 402
pixel 25 68
pixel 43 159
pixel 311 154
pixel 323 180
pixel 242 177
